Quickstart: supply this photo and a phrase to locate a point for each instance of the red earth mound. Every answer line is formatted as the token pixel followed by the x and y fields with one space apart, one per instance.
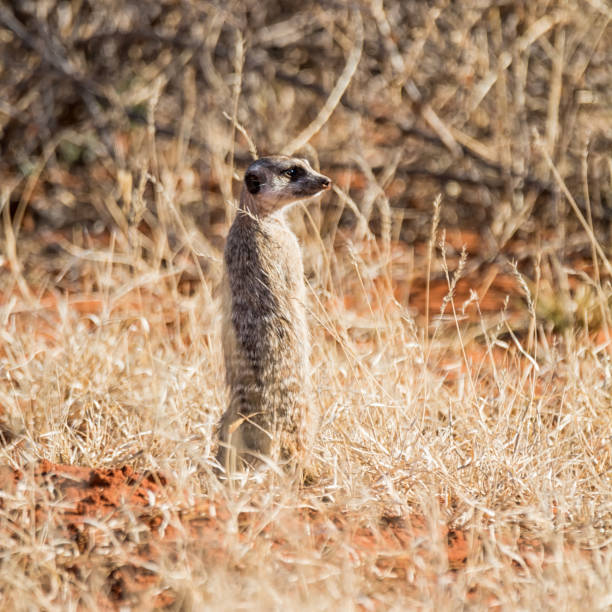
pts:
pixel 92 507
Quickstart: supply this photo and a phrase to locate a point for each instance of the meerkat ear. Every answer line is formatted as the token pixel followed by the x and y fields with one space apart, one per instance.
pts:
pixel 252 182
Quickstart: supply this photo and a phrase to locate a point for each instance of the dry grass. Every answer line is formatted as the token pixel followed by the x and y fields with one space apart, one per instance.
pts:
pixel 494 422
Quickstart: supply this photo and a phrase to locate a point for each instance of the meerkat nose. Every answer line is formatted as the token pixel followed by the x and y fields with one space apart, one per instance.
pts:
pixel 325 182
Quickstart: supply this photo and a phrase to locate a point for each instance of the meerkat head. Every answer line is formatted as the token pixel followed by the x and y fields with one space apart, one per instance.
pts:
pixel 274 182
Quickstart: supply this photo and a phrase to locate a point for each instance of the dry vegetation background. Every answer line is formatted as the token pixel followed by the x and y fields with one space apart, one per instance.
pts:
pixel 466 394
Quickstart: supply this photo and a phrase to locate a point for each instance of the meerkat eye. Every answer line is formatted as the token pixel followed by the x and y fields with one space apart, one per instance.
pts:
pixel 295 172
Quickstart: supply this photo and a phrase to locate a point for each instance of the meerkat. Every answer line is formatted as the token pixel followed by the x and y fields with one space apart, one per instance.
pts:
pixel 265 336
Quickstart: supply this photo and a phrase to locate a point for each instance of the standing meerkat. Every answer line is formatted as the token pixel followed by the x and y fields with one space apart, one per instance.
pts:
pixel 265 335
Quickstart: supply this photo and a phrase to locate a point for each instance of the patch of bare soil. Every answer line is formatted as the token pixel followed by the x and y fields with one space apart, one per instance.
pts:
pixel 77 502
pixel 91 508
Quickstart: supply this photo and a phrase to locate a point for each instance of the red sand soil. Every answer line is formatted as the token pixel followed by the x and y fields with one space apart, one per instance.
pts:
pixel 76 500
pixel 69 497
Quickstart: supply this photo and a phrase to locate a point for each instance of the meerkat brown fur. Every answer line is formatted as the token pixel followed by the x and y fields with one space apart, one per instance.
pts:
pixel 265 336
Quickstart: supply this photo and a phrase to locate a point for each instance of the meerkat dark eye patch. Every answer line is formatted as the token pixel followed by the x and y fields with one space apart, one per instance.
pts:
pixel 295 172
pixel 252 182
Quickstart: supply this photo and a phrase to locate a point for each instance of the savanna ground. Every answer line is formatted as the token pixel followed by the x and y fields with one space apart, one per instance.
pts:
pixel 459 300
